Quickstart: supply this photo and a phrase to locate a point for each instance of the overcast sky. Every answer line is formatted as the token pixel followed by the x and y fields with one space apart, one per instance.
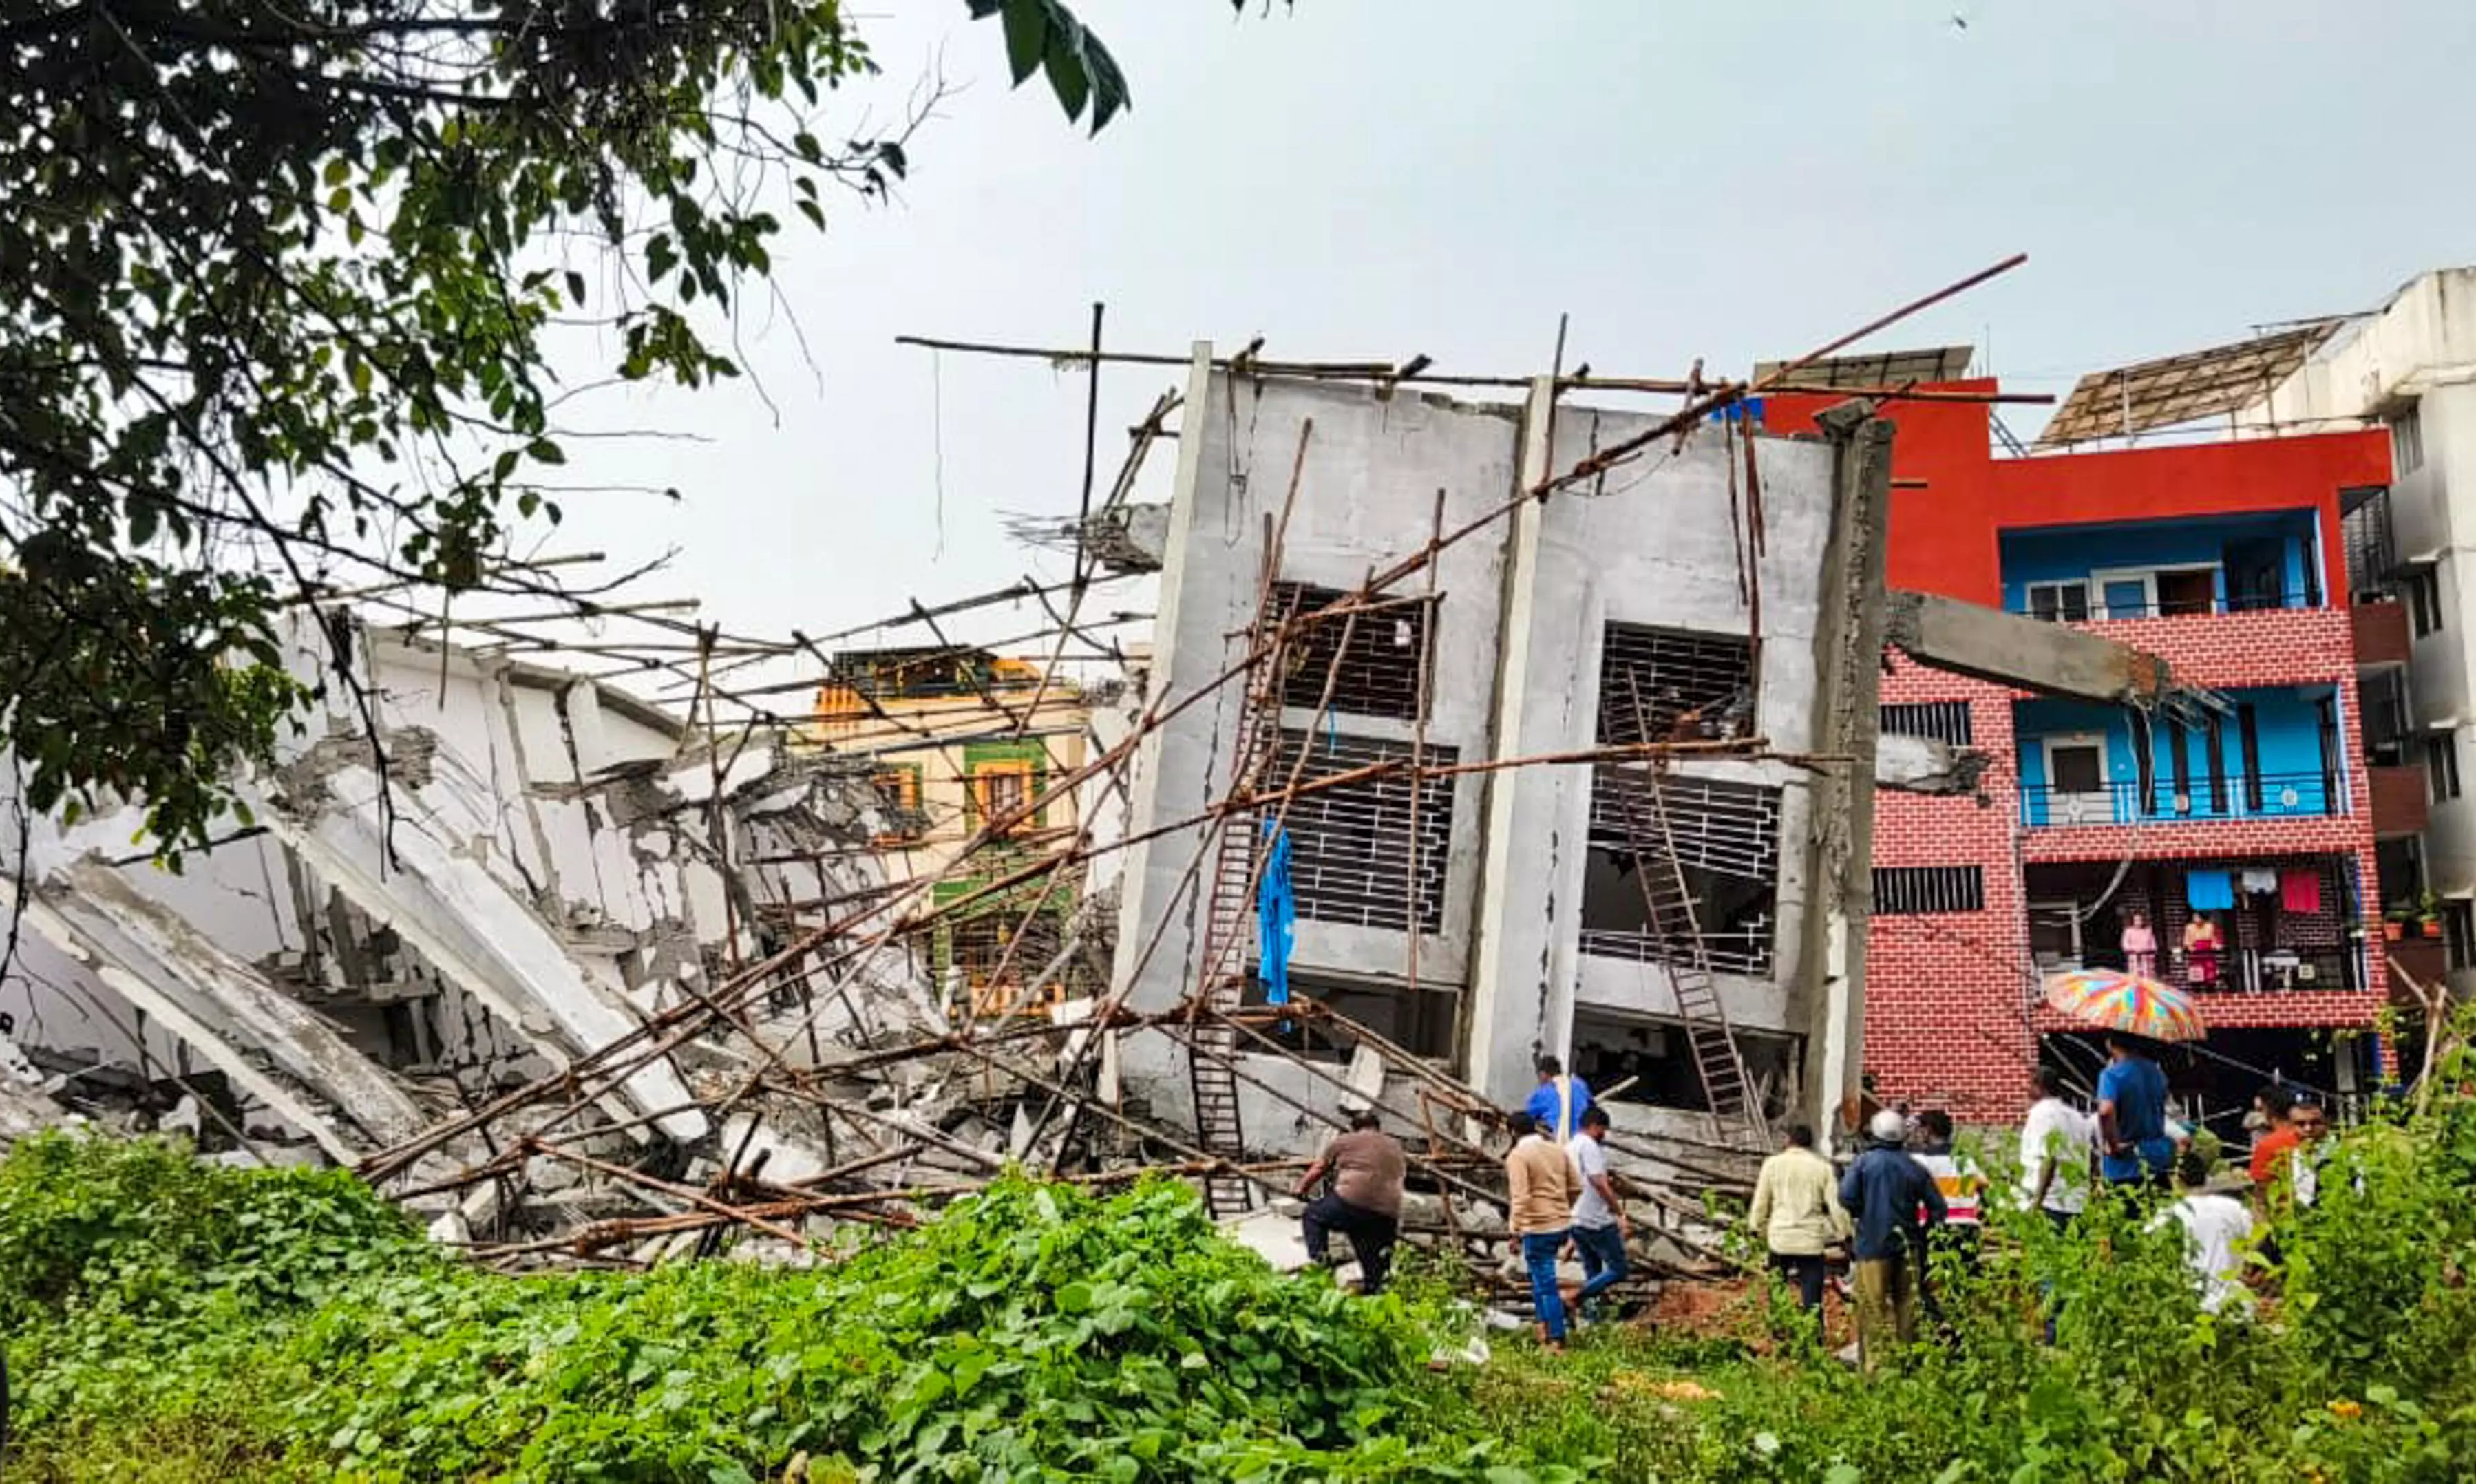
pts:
pixel 1360 179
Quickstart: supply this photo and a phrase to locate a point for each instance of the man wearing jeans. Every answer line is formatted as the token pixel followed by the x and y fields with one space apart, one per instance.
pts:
pixel 1541 1184
pixel 1600 1229
pixel 1796 1213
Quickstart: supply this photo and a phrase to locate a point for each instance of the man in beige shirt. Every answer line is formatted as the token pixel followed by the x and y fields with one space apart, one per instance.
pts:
pixel 1541 1185
pixel 1798 1213
pixel 1365 1202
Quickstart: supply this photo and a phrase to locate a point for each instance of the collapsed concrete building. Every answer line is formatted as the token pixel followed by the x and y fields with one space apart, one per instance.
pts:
pixel 1466 732
pixel 520 868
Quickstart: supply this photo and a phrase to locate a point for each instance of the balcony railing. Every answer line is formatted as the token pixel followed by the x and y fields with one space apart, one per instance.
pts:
pixel 2264 796
pixel 2248 970
pixel 1744 950
pixel 2077 608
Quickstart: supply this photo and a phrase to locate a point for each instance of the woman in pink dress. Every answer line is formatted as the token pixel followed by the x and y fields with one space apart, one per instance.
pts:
pixel 2140 946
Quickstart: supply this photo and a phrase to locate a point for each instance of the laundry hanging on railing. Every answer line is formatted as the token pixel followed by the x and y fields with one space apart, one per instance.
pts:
pixel 2208 891
pixel 1276 915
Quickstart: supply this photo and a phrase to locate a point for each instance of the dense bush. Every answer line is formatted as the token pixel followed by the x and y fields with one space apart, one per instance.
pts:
pixel 174 1321
pixel 290 1326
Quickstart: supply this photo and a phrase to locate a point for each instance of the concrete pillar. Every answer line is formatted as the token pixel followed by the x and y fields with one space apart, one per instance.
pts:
pixel 1517 1006
pixel 1174 776
pixel 1847 656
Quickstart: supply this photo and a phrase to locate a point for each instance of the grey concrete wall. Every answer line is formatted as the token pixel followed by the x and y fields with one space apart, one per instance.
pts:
pixel 1652 543
pixel 1367 498
pixel 1517 642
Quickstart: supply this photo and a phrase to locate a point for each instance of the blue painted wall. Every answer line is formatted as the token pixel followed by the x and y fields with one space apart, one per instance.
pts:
pixel 2068 552
pixel 2288 736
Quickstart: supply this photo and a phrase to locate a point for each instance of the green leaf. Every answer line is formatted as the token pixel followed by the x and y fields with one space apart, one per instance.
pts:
pixel 1028 34
pixel 1068 77
pixel 544 450
pixel 1109 94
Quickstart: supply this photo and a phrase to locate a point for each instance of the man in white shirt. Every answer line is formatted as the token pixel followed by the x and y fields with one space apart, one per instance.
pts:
pixel 2216 1229
pixel 2056 1141
pixel 2058 1150
pixel 1600 1229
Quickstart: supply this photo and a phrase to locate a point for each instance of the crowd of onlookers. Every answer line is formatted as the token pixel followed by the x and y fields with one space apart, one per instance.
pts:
pixel 1907 1203
pixel 1910 1195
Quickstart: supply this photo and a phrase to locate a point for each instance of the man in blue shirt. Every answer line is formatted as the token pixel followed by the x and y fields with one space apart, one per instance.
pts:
pixel 1559 1101
pixel 2135 1150
pixel 1896 1202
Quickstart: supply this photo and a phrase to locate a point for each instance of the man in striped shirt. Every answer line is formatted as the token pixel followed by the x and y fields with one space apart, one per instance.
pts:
pixel 1963 1186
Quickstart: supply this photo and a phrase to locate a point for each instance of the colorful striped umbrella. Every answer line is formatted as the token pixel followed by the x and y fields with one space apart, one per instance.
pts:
pixel 2109 1001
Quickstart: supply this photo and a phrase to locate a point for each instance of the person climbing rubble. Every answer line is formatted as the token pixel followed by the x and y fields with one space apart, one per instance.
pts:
pixel 1364 1204
pixel 1600 1227
pixel 1559 1101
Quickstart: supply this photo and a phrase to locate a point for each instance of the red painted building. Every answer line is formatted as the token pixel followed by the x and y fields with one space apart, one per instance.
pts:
pixel 2255 814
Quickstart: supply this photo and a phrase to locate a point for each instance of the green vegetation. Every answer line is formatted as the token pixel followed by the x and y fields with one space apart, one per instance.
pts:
pixel 281 284
pixel 176 1322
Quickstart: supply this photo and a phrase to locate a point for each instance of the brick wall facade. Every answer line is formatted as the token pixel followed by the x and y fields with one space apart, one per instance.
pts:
pixel 1951 1008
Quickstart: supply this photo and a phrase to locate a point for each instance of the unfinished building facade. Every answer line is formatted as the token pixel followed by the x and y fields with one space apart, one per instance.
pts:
pixel 1679 653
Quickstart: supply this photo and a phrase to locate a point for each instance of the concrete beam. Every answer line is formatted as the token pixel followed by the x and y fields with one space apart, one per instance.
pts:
pixel 177 959
pixel 1849 635
pixel 2029 654
pixel 1514 1011
pixel 1922 765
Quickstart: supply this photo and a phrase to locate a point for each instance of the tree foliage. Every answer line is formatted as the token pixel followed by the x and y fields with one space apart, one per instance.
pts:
pixel 275 282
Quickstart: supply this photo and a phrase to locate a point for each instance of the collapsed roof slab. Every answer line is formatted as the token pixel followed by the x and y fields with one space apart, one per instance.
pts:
pixel 137 958
pixel 180 961
pixel 453 912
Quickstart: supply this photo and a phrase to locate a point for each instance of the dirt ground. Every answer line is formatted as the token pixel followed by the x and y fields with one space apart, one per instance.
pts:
pixel 1735 1309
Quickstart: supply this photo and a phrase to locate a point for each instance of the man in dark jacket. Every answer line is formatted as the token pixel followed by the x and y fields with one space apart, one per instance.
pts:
pixel 1894 1202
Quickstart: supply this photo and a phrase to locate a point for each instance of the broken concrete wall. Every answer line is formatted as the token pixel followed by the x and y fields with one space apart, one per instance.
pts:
pixel 544 862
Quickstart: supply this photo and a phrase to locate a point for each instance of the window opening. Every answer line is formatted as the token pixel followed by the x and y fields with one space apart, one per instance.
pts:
pixel 2442 765
pixel 1375 672
pixel 2063 602
pixel 1939 721
pixel 1673 684
pixel 1913 891
pixel 1350 846
pixel 1727 847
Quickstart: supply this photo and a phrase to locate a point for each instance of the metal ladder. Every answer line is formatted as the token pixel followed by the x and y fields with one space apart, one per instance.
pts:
pixel 1676 931
pixel 1229 920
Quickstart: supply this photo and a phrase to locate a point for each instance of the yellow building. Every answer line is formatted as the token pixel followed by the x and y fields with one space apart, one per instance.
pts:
pixel 961 737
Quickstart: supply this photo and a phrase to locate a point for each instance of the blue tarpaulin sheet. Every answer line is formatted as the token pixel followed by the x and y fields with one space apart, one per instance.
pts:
pixel 1276 915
